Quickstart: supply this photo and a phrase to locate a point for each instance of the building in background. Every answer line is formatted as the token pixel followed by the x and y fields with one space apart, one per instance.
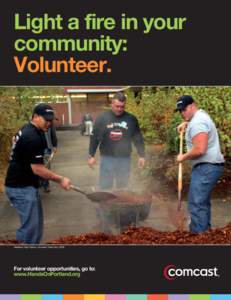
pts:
pixel 81 100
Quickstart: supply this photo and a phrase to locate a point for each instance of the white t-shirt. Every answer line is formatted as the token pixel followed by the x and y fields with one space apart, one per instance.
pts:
pixel 201 122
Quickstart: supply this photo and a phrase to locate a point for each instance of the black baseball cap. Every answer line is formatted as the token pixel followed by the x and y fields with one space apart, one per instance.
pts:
pixel 183 102
pixel 44 110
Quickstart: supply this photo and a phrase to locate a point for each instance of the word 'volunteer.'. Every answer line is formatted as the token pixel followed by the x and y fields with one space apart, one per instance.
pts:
pixel 70 65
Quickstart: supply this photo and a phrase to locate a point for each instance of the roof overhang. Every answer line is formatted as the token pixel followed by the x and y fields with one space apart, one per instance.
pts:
pixel 94 89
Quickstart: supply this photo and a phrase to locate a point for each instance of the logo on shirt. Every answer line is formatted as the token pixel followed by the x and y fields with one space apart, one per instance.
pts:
pixel 121 125
pixel 116 135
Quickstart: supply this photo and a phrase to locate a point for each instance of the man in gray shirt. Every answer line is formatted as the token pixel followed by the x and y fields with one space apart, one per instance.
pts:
pixel 203 149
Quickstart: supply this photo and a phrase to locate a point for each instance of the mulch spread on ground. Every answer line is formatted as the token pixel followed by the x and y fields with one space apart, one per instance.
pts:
pixel 147 235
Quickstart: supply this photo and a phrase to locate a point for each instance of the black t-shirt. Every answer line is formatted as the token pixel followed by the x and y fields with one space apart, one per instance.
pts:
pixel 28 148
pixel 115 135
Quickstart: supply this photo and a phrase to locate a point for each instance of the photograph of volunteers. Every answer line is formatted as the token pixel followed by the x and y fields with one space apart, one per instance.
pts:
pixel 134 165
pixel 25 167
pixel 114 131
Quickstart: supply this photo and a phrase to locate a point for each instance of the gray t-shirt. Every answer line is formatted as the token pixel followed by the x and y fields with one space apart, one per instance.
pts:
pixel 201 122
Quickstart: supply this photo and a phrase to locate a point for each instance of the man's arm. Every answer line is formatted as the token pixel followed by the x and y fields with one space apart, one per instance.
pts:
pixel 41 171
pixel 139 144
pixel 138 140
pixel 200 145
pixel 95 139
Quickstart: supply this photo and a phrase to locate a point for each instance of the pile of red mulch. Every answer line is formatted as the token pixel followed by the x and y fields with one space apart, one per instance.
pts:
pixel 147 235
pixel 127 198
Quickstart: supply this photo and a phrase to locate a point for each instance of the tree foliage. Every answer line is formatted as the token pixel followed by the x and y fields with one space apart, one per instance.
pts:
pixel 16 105
pixel 158 121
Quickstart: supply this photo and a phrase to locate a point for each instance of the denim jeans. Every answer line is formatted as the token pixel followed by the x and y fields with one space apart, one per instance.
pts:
pixel 203 179
pixel 114 170
pixel 28 204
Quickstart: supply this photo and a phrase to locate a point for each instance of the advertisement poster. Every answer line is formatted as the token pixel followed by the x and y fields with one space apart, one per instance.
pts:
pixel 115 150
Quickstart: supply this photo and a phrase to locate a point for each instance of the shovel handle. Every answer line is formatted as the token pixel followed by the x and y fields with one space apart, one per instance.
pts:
pixel 180 164
pixel 180 184
pixel 181 141
pixel 52 155
pixel 77 189
pixel 50 159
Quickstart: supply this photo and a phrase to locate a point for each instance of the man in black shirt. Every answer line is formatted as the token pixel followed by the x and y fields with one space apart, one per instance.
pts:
pixel 114 131
pixel 25 167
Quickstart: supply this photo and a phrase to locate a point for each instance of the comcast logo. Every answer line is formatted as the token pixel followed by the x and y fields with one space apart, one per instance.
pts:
pixel 171 272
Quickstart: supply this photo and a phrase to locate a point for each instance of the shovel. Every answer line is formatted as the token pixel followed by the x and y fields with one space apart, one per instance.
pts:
pixel 180 172
pixel 179 217
pixel 95 196
pixel 49 159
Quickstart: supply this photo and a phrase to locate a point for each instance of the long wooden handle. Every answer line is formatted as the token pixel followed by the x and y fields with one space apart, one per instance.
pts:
pixel 180 171
pixel 181 141
pixel 50 159
pixel 180 164
pixel 180 185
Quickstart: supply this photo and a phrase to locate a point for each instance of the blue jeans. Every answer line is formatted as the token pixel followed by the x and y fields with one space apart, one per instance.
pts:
pixel 114 169
pixel 203 179
pixel 28 204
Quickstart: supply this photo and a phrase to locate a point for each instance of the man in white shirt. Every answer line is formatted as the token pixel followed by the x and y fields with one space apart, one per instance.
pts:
pixel 203 149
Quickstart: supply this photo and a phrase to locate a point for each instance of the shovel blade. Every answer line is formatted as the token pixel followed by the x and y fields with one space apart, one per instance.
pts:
pixel 100 196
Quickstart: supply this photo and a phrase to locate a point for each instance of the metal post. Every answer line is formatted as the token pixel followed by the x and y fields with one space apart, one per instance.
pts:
pixel 69 106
